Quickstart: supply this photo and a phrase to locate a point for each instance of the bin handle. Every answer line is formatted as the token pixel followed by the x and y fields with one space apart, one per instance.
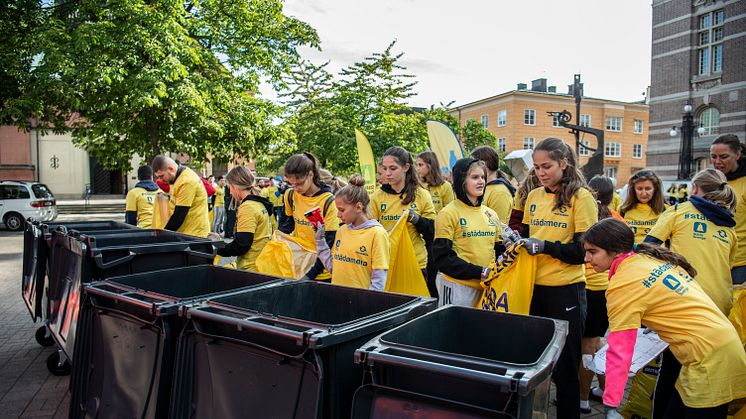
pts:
pixel 120 297
pixel 134 251
pixel 99 258
pixel 249 323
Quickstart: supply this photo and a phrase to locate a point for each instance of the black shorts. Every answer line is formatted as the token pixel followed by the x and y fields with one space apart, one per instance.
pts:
pixel 597 319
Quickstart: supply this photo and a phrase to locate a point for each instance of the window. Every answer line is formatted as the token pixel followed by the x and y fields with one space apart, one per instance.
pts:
pixel 613 149
pixel 555 121
pixel 502 118
pixel 528 143
pixel 637 151
pixel 529 117
pixel 583 152
pixel 613 123
pixel 710 42
pixel 638 126
pixel 41 191
pixel 485 121
pixel 501 145
pixel 709 119
pixel 585 120
pixel 610 172
pixel 14 192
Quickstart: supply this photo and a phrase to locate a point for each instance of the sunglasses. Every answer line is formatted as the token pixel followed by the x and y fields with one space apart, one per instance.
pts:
pixel 643 173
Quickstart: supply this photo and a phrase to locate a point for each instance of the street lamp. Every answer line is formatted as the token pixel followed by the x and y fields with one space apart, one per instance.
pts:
pixel 687 132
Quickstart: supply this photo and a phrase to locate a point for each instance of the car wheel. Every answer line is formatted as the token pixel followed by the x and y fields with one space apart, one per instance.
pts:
pixel 13 221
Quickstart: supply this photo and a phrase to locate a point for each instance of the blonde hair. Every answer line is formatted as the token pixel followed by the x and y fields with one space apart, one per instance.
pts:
pixel 354 192
pixel 715 186
pixel 242 178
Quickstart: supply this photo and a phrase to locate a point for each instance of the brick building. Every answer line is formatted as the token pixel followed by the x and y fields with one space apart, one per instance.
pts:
pixel 519 120
pixel 698 52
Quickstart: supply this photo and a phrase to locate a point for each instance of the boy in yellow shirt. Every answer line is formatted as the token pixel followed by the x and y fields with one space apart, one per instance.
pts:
pixel 139 203
pixel 188 203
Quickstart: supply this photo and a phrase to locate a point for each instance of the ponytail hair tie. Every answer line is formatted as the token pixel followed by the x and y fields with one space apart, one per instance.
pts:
pixel 722 185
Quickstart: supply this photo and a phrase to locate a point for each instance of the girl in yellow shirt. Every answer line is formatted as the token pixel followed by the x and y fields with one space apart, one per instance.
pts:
pixel 651 285
pixel 644 203
pixel 728 155
pixel 465 235
pixel 360 256
pixel 498 194
pixel 253 224
pixel 555 217
pixel 307 193
pixel 428 170
pixel 400 190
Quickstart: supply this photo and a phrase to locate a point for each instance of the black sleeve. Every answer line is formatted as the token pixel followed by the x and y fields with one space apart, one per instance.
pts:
pixel 525 231
pixel 239 246
pixel 286 223
pixel 318 267
pixel 130 217
pixel 652 240
pixel 499 249
pixel 426 228
pixel 571 253
pixel 450 264
pixel 177 218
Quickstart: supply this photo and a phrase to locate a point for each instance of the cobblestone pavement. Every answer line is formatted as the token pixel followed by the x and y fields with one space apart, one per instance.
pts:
pixel 27 389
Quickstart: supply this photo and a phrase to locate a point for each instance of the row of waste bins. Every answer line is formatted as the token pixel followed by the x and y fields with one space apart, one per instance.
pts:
pixel 193 340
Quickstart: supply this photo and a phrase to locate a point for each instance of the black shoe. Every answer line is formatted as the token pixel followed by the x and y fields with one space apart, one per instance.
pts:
pixel 585 410
pixel 593 396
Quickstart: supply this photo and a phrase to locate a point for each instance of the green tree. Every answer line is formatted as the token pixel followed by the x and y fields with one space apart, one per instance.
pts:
pixel 473 134
pixel 148 76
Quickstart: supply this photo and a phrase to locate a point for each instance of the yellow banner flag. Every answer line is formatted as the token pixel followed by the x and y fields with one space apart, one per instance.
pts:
pixel 367 161
pixel 444 144
pixel 405 276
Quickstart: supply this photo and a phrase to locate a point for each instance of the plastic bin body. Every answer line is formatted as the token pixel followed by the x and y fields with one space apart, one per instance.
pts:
pixel 36 246
pixel 79 260
pixel 127 332
pixel 281 352
pixel 456 356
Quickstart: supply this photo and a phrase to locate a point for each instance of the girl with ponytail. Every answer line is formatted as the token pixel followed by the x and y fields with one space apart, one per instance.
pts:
pixel 360 255
pixel 654 286
pixel 401 191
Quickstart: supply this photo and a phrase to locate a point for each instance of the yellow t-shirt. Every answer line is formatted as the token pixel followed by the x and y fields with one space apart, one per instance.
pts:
pixel 219 196
pixel 558 225
pixel 473 232
pixel 188 191
pixel 616 202
pixel 141 200
pixel 356 253
pixel 441 195
pixel 387 208
pixel 595 281
pixel 270 192
pixel 497 197
pixel 664 298
pixel 303 229
pixel 710 248
pixel 252 217
pixel 739 187
pixel 641 218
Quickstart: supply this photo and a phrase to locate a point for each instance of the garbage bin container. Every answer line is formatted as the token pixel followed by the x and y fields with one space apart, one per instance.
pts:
pixel 75 260
pixel 455 357
pixel 281 352
pixel 127 333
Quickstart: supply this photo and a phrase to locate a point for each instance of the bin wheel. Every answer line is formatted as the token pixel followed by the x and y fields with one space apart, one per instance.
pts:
pixel 54 366
pixel 42 338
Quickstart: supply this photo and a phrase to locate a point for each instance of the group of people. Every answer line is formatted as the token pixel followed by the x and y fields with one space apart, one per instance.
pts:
pixel 603 264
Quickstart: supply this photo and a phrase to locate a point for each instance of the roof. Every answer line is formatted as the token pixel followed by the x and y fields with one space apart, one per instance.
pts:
pixel 550 94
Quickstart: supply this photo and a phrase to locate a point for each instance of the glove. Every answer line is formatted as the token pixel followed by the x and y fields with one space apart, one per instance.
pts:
pixel 534 246
pixel 214 236
pixel 413 217
pixel 612 413
pixel 319 232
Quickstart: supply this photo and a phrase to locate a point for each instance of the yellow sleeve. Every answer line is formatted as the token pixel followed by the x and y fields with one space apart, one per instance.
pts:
pixel 585 211
pixel 286 200
pixel 331 220
pixel 446 195
pixel 501 203
pixel 131 203
pixel 184 195
pixel 663 228
pixel 444 228
pixel 526 214
pixel 246 219
pixel 374 207
pixel 622 314
pixel 425 204
pixel 733 249
pixel 381 249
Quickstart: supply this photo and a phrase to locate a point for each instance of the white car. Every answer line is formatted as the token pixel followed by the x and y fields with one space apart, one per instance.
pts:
pixel 20 200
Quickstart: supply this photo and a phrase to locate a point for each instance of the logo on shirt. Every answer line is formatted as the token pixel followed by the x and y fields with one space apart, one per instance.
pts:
pixel 383 207
pixel 722 236
pixel 336 244
pixel 677 285
pixel 363 251
pixel 699 230
pixel 532 208
pixel 413 206
pixel 462 221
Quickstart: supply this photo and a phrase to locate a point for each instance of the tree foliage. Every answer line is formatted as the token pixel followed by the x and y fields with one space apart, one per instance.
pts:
pixel 473 134
pixel 149 76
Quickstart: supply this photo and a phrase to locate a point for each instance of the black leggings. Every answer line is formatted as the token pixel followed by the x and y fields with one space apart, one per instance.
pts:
pixel 567 303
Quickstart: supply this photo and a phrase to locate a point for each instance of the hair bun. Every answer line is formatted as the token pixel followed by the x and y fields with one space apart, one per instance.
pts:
pixel 357 180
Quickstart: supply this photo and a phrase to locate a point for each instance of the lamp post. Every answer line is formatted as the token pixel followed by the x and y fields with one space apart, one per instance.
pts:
pixel 687 134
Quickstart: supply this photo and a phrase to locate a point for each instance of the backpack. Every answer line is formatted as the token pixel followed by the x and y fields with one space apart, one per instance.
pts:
pixel 327 203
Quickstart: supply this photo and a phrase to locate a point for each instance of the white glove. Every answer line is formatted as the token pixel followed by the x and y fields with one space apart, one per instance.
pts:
pixel 319 233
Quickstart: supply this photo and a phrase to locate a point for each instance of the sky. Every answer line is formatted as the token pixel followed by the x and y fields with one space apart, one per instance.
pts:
pixel 466 50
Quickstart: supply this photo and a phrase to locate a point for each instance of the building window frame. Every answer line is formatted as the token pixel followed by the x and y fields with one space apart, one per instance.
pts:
pixel 638 126
pixel 529 143
pixel 502 118
pixel 502 144
pixel 709 119
pixel 556 122
pixel 582 151
pixel 485 119
pixel 710 34
pixel 613 149
pixel 585 120
pixel 614 123
pixel 529 117
pixel 636 151
pixel 611 171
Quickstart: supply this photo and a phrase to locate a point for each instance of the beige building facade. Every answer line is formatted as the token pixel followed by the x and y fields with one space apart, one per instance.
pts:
pixel 519 119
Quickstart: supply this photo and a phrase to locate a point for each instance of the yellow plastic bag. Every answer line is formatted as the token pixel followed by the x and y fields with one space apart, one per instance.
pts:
pixel 510 286
pixel 737 314
pixel 161 211
pixel 285 256
pixel 640 401
pixel 405 276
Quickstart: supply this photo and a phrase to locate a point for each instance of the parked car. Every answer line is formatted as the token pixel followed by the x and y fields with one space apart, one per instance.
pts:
pixel 20 200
